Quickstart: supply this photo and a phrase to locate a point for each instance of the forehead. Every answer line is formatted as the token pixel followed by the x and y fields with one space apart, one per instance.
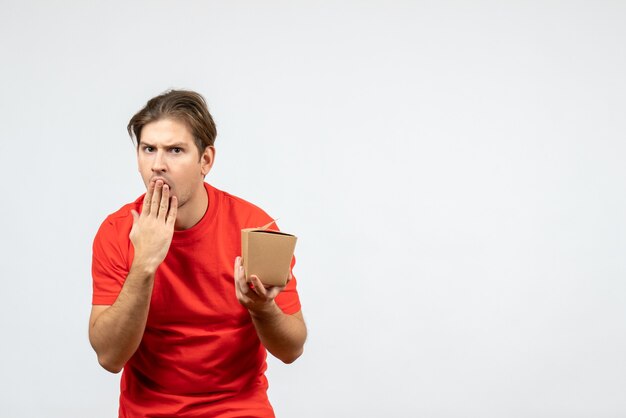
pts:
pixel 164 131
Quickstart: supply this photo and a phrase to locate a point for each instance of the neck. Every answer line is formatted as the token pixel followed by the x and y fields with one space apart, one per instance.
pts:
pixel 192 211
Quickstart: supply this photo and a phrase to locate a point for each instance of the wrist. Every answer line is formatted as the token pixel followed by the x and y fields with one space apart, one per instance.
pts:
pixel 144 267
pixel 266 311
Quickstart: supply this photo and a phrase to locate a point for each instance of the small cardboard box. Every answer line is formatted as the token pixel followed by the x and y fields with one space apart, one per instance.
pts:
pixel 267 254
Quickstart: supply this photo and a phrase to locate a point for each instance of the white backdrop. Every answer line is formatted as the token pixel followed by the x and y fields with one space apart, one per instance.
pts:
pixel 454 170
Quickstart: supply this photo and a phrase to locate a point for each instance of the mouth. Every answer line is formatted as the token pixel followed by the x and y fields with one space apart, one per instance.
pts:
pixel 154 179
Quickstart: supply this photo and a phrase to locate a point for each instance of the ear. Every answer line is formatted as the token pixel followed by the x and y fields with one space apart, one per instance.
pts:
pixel 206 160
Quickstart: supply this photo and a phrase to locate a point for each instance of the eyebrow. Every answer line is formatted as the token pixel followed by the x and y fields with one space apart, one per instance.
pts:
pixel 173 145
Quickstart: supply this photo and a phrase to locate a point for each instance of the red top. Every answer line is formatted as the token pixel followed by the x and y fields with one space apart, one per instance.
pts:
pixel 200 354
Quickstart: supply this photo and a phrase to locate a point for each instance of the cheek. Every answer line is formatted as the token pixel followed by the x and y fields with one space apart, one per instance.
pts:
pixel 142 164
pixel 143 170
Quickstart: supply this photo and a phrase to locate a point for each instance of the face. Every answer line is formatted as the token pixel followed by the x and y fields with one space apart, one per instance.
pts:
pixel 168 152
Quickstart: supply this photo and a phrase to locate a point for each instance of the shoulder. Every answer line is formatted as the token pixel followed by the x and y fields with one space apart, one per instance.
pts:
pixel 119 222
pixel 246 212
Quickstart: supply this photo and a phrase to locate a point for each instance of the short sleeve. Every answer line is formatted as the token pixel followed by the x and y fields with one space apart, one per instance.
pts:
pixel 288 300
pixel 109 265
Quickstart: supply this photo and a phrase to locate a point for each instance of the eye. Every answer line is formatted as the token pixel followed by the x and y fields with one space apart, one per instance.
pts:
pixel 148 148
pixel 177 150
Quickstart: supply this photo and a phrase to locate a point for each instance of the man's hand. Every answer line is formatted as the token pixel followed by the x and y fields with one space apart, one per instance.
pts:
pixel 152 231
pixel 281 334
pixel 253 295
pixel 115 331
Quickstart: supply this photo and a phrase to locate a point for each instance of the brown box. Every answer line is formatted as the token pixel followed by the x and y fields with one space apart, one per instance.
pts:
pixel 267 254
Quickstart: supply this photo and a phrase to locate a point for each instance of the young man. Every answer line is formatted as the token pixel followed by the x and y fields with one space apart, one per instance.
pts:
pixel 171 305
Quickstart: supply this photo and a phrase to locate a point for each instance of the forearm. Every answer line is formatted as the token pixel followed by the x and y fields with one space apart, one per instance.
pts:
pixel 117 332
pixel 282 335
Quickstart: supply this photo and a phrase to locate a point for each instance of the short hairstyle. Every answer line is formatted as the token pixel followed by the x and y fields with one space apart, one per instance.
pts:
pixel 185 106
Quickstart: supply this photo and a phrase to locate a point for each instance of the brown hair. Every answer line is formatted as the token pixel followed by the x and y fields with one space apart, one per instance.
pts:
pixel 185 106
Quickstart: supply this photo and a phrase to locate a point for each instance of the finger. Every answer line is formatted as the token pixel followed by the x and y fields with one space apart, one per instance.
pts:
pixel 147 199
pixel 273 292
pixel 171 214
pixel 245 301
pixel 240 280
pixel 257 286
pixel 244 290
pixel 242 287
pixel 236 270
pixel 156 198
pixel 165 202
pixel 236 279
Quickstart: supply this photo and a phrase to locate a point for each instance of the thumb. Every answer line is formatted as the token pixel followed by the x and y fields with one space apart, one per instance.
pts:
pixel 135 215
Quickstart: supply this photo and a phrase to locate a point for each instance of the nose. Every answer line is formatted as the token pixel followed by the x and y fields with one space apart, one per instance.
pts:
pixel 158 163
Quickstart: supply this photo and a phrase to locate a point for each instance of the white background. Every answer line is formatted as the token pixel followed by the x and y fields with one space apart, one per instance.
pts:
pixel 454 171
